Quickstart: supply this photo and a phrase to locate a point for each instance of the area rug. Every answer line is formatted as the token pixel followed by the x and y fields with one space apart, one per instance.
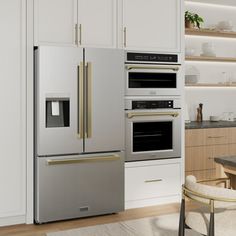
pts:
pixel 166 225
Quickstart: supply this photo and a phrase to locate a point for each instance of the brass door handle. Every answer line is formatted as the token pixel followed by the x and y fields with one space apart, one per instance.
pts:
pixel 125 37
pixel 133 114
pixel 83 160
pixel 80 34
pixel 80 100
pixel 88 130
pixel 153 180
pixel 160 67
pixel 216 136
pixel 76 34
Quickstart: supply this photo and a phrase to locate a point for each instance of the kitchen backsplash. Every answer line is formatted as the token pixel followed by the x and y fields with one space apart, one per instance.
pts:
pixel 216 101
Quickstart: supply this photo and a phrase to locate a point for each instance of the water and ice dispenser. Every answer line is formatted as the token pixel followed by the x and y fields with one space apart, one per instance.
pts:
pixel 57 112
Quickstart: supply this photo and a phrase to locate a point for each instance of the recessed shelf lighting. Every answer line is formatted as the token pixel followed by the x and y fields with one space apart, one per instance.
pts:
pixel 216 3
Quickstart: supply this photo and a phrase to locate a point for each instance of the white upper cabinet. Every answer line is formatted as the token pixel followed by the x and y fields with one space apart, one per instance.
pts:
pixel 152 25
pixel 97 23
pixel 55 22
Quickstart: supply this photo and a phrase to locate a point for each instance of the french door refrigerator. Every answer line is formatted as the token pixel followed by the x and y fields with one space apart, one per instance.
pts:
pixel 79 132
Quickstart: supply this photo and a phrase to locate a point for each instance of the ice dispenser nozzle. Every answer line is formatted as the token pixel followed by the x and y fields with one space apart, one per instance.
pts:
pixel 57 112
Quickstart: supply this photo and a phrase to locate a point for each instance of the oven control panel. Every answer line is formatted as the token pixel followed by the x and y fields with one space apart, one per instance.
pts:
pixel 153 104
pixel 151 57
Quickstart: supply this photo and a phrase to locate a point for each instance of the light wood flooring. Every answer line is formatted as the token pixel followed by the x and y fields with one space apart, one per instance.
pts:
pixel 41 230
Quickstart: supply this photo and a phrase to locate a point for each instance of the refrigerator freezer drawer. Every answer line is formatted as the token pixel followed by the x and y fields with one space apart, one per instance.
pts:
pixel 79 186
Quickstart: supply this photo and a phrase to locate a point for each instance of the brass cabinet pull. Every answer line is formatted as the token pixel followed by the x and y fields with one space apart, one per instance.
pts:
pixel 215 136
pixel 80 100
pixel 76 34
pixel 153 180
pixel 160 67
pixel 80 34
pixel 88 133
pixel 83 160
pixel 133 114
pixel 125 32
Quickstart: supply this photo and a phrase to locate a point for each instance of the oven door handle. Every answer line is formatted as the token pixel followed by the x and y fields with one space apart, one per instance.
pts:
pixel 159 67
pixel 133 114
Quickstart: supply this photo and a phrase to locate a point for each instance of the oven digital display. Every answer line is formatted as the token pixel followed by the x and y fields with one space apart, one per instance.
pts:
pixel 152 104
pixel 151 57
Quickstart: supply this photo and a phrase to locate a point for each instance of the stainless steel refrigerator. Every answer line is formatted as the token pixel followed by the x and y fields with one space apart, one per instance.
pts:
pixel 79 132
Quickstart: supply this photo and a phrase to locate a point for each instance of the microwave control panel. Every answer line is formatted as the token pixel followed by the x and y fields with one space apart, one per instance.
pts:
pixel 151 57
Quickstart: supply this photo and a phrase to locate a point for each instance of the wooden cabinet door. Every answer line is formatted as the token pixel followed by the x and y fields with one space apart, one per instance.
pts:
pixel 97 23
pixel 55 22
pixel 152 25
pixel 13 112
pixel 215 151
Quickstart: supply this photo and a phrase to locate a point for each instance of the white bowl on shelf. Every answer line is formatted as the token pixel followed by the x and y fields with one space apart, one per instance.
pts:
pixel 214 118
pixel 225 25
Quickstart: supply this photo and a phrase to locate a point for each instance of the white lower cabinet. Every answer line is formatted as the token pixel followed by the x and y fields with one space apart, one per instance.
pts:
pixel 152 183
pixel 13 112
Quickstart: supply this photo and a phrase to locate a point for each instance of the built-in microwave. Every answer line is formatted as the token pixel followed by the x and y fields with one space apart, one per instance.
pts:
pixel 153 74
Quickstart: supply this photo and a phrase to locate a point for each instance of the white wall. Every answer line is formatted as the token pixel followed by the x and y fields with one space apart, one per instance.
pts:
pixel 215 100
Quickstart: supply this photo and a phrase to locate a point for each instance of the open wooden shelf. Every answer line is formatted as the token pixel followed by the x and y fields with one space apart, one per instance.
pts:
pixel 212 33
pixel 210 85
pixel 213 59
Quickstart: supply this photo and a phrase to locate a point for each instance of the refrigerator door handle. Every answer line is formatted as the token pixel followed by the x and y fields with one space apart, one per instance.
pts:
pixel 80 100
pixel 83 160
pixel 88 131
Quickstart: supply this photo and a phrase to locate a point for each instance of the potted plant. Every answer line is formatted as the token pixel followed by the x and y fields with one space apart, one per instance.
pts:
pixel 192 20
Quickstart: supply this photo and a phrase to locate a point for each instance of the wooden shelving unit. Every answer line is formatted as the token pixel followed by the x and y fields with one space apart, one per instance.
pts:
pixel 211 33
pixel 210 85
pixel 213 59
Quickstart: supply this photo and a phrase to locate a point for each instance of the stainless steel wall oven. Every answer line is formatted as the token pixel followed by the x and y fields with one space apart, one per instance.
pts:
pixel 152 74
pixel 153 128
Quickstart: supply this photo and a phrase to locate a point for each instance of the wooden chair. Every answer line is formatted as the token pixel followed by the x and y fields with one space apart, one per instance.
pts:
pixel 217 217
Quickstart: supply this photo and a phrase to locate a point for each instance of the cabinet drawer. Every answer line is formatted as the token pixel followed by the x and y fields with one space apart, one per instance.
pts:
pixel 232 135
pixel 152 181
pixel 202 158
pixel 194 137
pixel 232 149
pixel 217 136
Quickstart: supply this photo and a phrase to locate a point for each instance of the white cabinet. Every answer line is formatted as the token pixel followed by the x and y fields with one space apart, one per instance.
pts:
pixel 13 112
pixel 86 23
pixel 152 25
pixel 55 22
pixel 97 23
pixel 152 182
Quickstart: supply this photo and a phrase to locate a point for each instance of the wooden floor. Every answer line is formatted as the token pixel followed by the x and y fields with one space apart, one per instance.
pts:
pixel 41 230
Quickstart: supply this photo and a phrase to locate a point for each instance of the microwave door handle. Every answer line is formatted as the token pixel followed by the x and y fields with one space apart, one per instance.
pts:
pixel 136 114
pixel 159 67
pixel 88 130
pixel 80 100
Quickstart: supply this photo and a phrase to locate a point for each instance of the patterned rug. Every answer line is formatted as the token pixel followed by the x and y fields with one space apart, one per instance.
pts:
pixel 166 225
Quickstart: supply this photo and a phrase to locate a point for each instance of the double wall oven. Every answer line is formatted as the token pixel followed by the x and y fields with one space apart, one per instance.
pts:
pixel 153 106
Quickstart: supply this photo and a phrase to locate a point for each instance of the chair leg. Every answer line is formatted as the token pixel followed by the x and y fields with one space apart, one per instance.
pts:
pixel 211 231
pixel 182 219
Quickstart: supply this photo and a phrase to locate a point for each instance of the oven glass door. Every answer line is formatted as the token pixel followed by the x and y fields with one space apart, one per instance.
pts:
pixel 153 135
pixel 153 81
